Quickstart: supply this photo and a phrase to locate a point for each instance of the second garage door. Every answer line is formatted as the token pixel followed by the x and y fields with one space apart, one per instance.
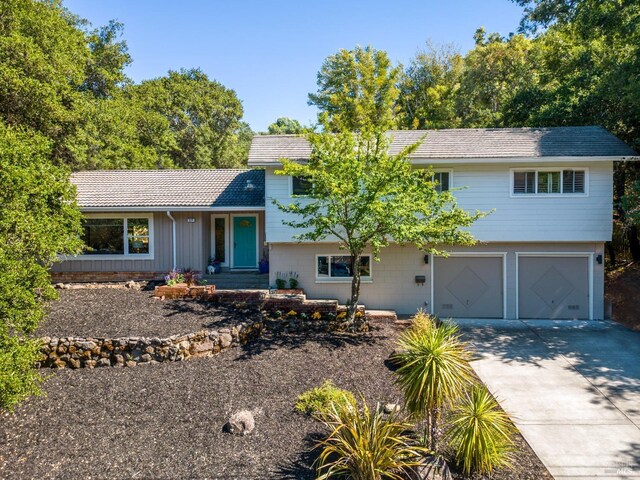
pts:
pixel 554 287
pixel 468 287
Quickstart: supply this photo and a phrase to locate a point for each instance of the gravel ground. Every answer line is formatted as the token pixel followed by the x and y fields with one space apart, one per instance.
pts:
pixel 165 420
pixel 107 312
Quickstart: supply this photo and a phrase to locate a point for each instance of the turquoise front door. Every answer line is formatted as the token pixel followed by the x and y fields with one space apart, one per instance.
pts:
pixel 244 242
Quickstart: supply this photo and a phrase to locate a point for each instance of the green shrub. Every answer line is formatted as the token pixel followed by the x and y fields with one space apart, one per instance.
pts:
pixel 319 400
pixel 480 433
pixel 18 378
pixel 366 444
pixel 434 371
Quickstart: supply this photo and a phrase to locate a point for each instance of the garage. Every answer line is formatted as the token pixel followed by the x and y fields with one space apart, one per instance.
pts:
pixel 553 286
pixel 468 286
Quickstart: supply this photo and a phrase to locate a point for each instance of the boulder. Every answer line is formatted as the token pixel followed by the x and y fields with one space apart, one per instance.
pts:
pixel 240 423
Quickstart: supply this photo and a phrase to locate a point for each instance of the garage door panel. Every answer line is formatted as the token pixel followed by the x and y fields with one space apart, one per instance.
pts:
pixel 553 287
pixel 468 287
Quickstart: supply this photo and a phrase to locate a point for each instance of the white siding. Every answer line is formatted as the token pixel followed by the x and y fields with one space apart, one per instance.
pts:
pixel 514 219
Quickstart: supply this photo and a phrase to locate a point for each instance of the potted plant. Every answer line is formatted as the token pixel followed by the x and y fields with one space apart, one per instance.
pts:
pixel 214 266
pixel 263 265
pixel 284 279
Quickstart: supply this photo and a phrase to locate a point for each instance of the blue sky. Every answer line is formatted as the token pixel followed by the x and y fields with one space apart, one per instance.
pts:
pixel 269 51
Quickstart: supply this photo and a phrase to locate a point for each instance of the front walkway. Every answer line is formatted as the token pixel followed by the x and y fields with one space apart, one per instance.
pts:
pixel 571 387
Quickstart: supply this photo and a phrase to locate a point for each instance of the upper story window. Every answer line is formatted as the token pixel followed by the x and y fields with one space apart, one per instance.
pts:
pixel 116 236
pixel 549 181
pixel 442 177
pixel 300 186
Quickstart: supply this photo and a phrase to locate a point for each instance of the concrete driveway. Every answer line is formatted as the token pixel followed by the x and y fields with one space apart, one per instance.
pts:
pixel 572 388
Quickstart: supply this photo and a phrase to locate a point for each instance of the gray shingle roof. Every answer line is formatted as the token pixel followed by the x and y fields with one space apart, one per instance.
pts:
pixel 471 143
pixel 170 188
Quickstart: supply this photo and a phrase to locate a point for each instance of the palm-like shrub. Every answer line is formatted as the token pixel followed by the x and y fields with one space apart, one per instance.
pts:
pixel 434 370
pixel 480 433
pixel 366 444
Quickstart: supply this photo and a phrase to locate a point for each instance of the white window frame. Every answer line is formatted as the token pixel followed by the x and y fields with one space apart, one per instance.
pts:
pixel 291 194
pixel 126 255
pixel 544 170
pixel 445 170
pixel 227 235
pixel 330 279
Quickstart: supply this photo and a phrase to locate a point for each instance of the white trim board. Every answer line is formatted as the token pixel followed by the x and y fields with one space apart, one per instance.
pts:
pixel 588 255
pixel 502 255
pixel 227 248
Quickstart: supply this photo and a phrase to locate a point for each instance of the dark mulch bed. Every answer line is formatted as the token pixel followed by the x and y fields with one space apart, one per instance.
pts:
pixel 165 420
pixel 108 312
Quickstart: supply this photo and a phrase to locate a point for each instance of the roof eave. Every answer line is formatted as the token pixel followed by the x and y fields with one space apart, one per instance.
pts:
pixel 130 208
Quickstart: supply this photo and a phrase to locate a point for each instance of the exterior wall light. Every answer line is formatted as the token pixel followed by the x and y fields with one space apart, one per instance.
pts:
pixel 426 259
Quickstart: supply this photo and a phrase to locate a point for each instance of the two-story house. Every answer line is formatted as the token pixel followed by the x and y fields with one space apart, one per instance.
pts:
pixel 540 253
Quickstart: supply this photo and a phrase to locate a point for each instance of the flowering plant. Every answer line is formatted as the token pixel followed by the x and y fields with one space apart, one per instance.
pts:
pixel 174 276
pixel 316 315
pixel 341 315
pixel 291 313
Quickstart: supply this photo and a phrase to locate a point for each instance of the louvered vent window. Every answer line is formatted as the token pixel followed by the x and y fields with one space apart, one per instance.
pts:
pixel 524 182
pixel 573 181
pixel 549 182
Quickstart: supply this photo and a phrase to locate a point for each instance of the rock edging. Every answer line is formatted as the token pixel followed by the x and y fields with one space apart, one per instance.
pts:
pixel 88 352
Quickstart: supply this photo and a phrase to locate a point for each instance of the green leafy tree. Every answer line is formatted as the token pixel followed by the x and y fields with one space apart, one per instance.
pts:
pixel 202 116
pixel 493 71
pixel 429 88
pixel 285 125
pixel 39 219
pixel 356 89
pixel 363 197
pixel 43 61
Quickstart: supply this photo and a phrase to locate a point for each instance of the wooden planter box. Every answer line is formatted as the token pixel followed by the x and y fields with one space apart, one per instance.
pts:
pixel 289 291
pixel 182 290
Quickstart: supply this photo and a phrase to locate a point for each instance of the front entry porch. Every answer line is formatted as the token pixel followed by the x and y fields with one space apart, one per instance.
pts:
pixel 236 240
pixel 238 280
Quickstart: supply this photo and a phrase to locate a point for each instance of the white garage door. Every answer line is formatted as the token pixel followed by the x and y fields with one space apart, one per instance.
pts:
pixel 553 287
pixel 468 287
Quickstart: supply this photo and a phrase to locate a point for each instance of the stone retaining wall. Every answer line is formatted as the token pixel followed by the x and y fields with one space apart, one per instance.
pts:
pixel 75 352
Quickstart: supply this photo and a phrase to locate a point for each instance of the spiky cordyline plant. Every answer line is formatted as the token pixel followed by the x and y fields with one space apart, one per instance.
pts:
pixel 434 371
pixel 366 444
pixel 480 433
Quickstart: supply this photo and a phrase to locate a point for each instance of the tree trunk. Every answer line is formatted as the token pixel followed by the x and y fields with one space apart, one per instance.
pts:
pixel 634 243
pixel 352 308
pixel 612 253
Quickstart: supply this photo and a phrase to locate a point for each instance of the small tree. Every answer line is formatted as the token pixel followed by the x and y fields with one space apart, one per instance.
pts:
pixel 364 198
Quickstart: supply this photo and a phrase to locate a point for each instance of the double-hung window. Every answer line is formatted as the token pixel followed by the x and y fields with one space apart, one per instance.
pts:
pixel 341 267
pixel 129 236
pixel 549 181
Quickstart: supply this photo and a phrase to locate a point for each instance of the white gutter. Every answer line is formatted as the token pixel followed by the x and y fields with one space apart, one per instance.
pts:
pixel 173 234
pixel 117 208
